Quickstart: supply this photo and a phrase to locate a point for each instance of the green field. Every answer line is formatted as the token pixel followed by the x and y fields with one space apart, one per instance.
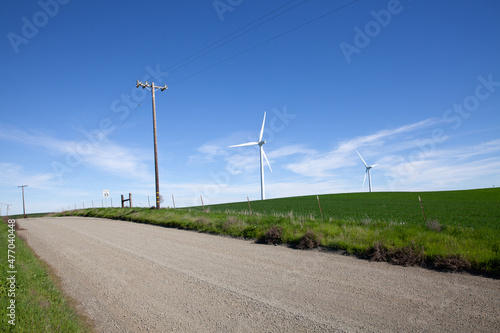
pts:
pixel 461 230
pixel 470 208
pixel 39 305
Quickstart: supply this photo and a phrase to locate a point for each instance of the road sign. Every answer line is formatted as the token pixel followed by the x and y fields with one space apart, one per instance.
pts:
pixel 105 193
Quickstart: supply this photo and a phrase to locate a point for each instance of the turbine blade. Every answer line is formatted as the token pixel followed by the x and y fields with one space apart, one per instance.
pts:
pixel 263 153
pixel 262 129
pixel 364 180
pixel 366 165
pixel 245 144
pixel 371 166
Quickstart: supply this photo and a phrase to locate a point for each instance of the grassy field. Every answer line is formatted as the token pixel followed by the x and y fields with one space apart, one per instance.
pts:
pixel 466 208
pixel 461 230
pixel 39 305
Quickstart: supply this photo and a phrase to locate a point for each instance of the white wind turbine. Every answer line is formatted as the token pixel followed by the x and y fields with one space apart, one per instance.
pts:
pixel 262 154
pixel 367 171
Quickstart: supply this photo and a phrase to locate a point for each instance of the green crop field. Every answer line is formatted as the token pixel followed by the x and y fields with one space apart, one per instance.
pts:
pixel 468 208
pixel 460 231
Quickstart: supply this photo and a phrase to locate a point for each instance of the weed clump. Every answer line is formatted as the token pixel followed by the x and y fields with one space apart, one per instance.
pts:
pixel 366 221
pixel 310 240
pixel 454 264
pixel 202 221
pixel 410 255
pixel 274 235
pixel 230 224
pixel 434 225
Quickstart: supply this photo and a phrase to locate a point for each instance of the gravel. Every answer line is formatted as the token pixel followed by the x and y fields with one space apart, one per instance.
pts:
pixel 129 277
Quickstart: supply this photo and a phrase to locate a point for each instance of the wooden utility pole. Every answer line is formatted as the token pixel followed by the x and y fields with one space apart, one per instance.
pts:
pixel 24 207
pixel 157 179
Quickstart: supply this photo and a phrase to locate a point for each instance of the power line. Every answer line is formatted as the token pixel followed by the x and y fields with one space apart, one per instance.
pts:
pixel 266 41
pixel 197 54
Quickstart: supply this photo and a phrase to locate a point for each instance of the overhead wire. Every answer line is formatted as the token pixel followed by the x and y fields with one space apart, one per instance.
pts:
pixel 193 57
pixel 197 54
pixel 266 41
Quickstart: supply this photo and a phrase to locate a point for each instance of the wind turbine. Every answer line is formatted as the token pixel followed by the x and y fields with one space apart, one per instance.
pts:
pixel 367 171
pixel 260 143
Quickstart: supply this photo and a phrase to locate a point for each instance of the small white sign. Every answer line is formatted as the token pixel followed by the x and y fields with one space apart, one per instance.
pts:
pixel 105 193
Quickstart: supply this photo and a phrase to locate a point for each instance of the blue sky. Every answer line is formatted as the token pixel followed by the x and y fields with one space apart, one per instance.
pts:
pixel 413 85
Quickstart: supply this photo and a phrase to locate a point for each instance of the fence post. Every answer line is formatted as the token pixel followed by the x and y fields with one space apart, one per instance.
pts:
pixel 421 206
pixel 249 207
pixel 130 199
pixel 319 204
pixel 202 205
pixel 122 201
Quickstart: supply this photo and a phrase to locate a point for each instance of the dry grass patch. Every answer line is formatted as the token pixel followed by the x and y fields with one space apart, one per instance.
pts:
pixel 410 255
pixel 434 225
pixel 274 235
pixel 310 240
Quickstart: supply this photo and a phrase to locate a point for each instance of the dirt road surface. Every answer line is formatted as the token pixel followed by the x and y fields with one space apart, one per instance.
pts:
pixel 130 277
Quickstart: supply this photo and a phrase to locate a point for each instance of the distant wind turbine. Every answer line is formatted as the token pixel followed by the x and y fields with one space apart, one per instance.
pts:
pixel 367 171
pixel 262 154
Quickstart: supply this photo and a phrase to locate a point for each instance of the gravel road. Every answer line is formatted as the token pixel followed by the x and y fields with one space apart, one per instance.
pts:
pixel 130 277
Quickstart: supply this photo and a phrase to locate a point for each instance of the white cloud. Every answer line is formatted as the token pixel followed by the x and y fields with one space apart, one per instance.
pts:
pixel 13 175
pixel 379 137
pixel 287 151
pixel 321 165
pixel 99 153
pixel 443 168
pixel 208 152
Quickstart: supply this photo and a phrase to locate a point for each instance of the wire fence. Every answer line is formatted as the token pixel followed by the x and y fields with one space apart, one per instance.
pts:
pixel 146 201
pixel 357 207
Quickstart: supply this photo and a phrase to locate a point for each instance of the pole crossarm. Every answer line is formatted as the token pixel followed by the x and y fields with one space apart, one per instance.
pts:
pixel 150 85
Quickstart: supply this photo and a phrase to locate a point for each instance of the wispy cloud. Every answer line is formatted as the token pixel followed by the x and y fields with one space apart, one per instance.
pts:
pixel 101 154
pixel 286 151
pixel 382 136
pixel 13 174
pixel 321 165
pixel 208 152
pixel 443 168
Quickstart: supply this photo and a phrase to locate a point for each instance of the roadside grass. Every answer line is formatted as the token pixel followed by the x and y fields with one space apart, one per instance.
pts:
pixel 462 232
pixel 39 305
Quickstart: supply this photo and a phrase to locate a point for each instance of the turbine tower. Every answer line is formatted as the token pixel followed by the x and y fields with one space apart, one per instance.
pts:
pixel 367 171
pixel 260 143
